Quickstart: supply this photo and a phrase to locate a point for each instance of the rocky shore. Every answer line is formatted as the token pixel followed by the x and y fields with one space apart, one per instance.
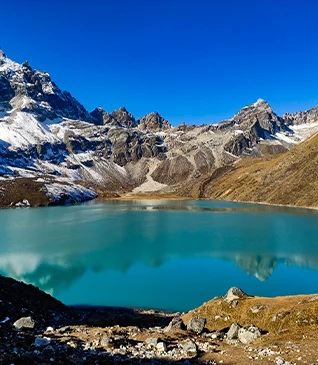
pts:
pixel 236 328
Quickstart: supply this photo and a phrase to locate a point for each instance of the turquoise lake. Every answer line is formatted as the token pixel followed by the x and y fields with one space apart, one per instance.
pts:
pixel 171 255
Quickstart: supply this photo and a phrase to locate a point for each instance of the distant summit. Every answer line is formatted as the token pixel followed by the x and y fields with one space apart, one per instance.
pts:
pixel 46 135
pixel 153 121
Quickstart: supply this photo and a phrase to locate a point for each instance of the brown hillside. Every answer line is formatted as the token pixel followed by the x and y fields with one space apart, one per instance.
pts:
pixel 289 179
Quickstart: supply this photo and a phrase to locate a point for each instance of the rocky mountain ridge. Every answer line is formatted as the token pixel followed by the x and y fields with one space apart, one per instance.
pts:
pixel 45 133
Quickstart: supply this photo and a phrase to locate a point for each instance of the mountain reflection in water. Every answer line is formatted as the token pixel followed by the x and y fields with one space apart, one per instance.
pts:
pixel 150 253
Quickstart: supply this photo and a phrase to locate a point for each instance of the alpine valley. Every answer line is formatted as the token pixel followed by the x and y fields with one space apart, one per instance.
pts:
pixel 53 151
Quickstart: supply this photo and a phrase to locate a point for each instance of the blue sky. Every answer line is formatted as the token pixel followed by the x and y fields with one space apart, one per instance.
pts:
pixel 197 61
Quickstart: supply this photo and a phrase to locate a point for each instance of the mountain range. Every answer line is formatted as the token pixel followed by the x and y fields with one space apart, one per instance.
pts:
pixel 52 150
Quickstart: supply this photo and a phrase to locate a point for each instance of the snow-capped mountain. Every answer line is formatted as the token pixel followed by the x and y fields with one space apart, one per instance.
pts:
pixel 46 134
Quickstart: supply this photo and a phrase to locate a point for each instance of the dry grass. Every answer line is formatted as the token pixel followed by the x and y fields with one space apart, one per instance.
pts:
pixel 293 336
pixel 301 313
pixel 289 179
pixel 14 191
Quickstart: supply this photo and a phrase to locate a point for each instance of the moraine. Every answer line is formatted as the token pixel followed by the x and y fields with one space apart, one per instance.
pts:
pixel 160 254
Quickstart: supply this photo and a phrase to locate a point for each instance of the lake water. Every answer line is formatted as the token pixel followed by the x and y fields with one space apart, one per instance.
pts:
pixel 160 254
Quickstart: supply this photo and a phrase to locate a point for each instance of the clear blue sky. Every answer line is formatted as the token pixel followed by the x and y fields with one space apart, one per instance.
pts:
pixel 195 61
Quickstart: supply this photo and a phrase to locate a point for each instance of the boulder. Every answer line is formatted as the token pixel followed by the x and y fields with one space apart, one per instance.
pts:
pixel 161 347
pixel 24 322
pixel 234 293
pixel 152 341
pixel 196 324
pixel 248 334
pixel 235 303
pixel 175 324
pixel 232 333
pixel 189 346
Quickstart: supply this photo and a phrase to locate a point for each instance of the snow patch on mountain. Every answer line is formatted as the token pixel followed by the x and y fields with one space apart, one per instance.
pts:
pixel 21 130
pixel 72 192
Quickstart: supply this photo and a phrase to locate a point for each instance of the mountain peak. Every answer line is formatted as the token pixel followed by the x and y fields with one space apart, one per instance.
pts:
pixel 124 118
pixel 3 57
pixel 260 101
pixel 2 54
pixel 153 121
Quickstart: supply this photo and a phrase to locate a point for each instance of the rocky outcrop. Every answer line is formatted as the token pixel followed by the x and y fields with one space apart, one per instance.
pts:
pixel 124 118
pixel 174 170
pixel 262 112
pixel 308 117
pixel 234 293
pixel 33 91
pixel 153 122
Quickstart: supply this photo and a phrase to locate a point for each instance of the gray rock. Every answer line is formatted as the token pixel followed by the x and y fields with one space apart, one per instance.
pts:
pixel 196 324
pixel 106 341
pixel 175 324
pixel 280 315
pixel 189 346
pixel 153 341
pixel 312 299
pixel 24 322
pixel 232 333
pixel 234 293
pixel 161 347
pixel 280 361
pixel 42 341
pixel 235 303
pixel 257 308
pixel 248 334
pixel 153 121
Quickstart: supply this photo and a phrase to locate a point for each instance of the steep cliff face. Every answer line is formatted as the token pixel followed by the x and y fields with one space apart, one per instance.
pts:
pixel 45 131
pixel 33 91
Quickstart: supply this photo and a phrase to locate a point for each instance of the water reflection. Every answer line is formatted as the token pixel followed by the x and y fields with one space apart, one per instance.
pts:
pixel 133 247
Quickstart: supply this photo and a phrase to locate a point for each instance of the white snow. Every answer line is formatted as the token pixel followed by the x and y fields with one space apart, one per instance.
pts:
pixel 24 203
pixel 9 65
pixel 259 102
pixel 304 126
pixel 22 130
pixel 160 134
pixel 283 137
pixel 77 193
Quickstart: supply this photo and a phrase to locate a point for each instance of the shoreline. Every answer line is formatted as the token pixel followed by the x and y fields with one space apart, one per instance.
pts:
pixel 234 328
pixel 151 196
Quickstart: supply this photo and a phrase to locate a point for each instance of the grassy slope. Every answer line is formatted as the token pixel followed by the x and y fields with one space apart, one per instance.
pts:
pixel 289 179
